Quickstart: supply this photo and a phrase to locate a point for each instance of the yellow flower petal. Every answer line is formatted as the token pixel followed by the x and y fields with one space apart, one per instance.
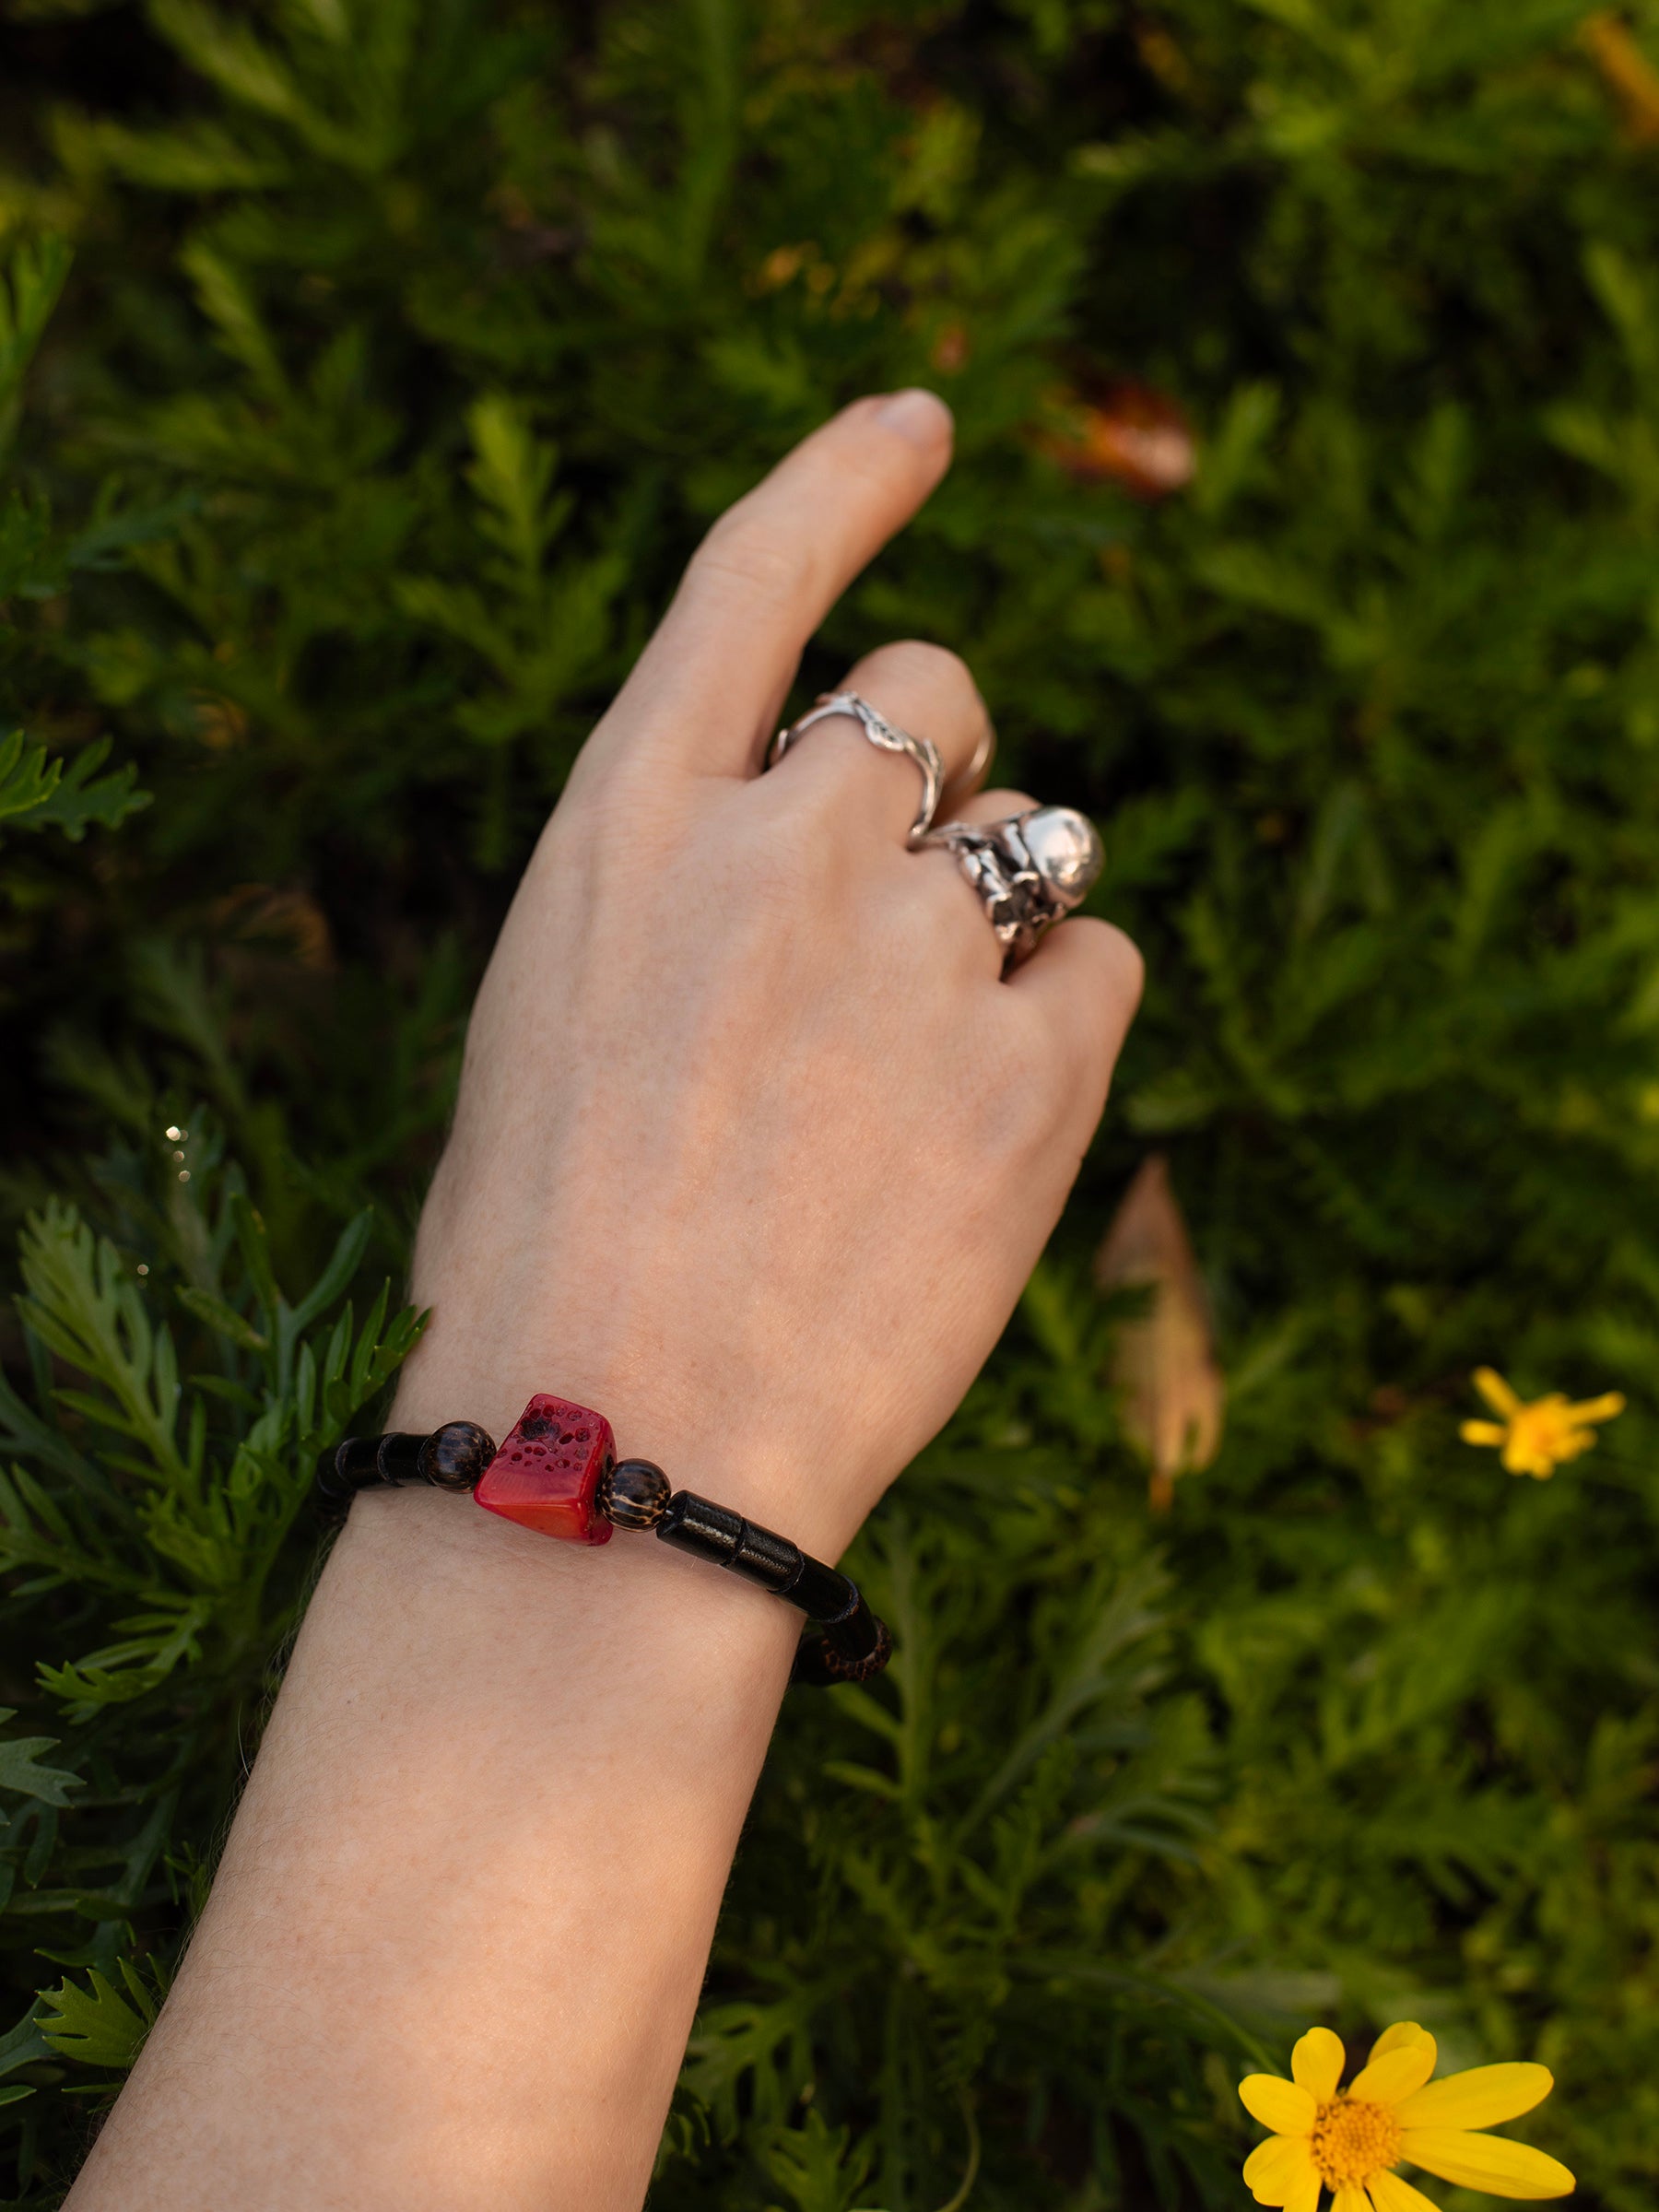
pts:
pixel 1397 2038
pixel 1605 1409
pixel 1496 1392
pixel 1351 2199
pixel 1390 2194
pixel 1488 2162
pixel 1278 2104
pixel 1396 2073
pixel 1317 2063
pixel 1520 1458
pixel 1483 1432
pixel 1274 2169
pixel 1482 2097
pixel 1304 2197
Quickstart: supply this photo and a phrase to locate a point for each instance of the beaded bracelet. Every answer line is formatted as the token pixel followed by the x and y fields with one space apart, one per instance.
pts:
pixel 557 1472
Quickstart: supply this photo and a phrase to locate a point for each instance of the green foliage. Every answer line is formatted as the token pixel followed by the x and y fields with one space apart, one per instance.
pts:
pixel 211 1528
pixel 149 1535
pixel 36 792
pixel 959 1904
pixel 25 780
pixel 22 1771
pixel 48 794
pixel 29 292
pixel 409 345
pixel 98 2025
pixel 812 2164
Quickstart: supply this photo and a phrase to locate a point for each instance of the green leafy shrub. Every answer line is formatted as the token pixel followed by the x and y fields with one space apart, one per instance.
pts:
pixel 408 346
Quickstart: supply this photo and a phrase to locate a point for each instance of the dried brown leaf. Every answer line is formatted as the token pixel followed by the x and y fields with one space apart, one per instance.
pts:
pixel 1136 437
pixel 1163 1362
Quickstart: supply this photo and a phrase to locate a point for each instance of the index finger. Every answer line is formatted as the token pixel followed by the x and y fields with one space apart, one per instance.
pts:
pixel 710 682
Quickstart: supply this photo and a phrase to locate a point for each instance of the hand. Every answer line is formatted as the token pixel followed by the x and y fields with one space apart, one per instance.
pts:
pixel 754 1152
pixel 755 1149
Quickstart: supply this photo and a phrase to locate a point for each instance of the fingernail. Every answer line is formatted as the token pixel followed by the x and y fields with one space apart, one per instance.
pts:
pixel 918 415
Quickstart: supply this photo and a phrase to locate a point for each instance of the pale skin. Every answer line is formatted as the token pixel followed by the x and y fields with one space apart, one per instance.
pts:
pixel 754 1151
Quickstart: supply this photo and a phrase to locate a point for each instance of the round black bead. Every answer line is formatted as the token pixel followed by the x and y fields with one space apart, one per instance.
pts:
pixel 456 1456
pixel 634 1494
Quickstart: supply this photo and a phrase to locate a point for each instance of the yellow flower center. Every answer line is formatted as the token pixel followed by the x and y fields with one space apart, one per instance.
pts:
pixel 1547 1431
pixel 1352 2140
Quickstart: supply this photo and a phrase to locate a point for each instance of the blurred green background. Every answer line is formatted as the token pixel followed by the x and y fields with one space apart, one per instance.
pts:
pixel 368 369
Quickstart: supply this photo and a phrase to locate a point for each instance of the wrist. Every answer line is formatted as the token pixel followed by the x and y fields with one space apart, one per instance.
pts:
pixel 630 1599
pixel 740 1454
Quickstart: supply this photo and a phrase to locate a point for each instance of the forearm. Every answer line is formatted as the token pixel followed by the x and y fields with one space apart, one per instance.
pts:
pixel 455 1947
pixel 453 1951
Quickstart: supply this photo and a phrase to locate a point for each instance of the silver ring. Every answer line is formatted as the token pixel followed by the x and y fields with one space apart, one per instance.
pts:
pixel 1029 870
pixel 880 732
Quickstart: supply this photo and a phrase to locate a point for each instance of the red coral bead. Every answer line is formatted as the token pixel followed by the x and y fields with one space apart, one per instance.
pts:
pixel 547 1471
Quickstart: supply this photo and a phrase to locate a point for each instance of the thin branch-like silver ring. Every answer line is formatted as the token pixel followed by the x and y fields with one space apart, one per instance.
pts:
pixel 1029 870
pixel 880 732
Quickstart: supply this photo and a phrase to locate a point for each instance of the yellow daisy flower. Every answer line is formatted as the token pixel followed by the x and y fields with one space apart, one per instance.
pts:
pixel 1349 2141
pixel 1539 1438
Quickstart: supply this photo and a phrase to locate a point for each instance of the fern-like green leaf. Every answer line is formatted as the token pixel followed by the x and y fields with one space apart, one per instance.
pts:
pixel 22 1771
pixel 101 2025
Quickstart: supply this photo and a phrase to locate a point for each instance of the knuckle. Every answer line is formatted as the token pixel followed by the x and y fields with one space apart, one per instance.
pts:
pixel 623 803
pixel 1117 970
pixel 922 666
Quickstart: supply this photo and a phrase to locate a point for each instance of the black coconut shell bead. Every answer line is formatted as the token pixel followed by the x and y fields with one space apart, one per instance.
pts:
pixel 850 1651
pixel 398 1457
pixel 724 1539
pixel 634 1494
pixel 454 1457
pixel 354 1466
